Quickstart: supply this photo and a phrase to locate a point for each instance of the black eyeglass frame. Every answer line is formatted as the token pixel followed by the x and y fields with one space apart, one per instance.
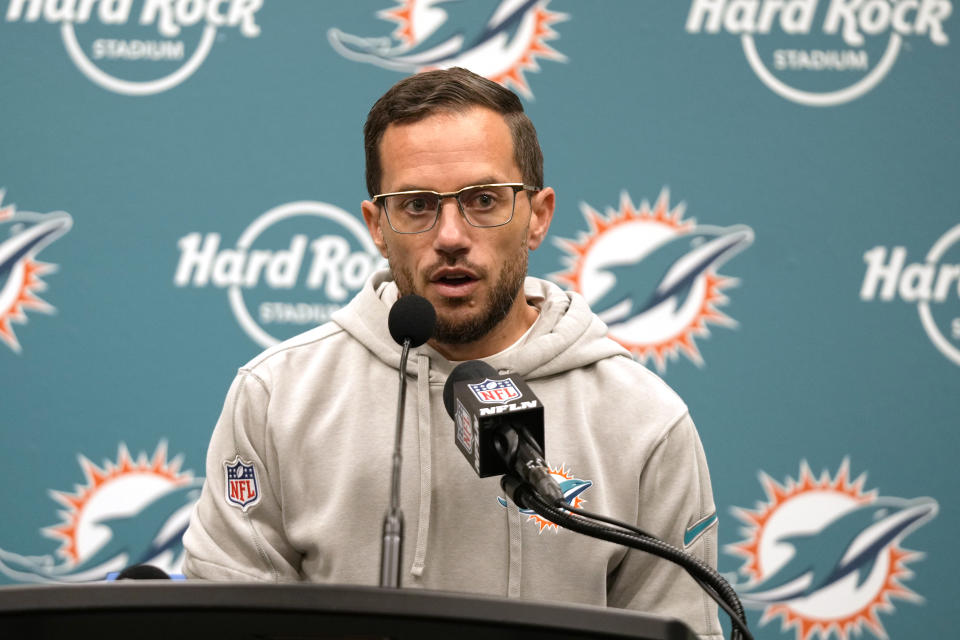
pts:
pixel 380 199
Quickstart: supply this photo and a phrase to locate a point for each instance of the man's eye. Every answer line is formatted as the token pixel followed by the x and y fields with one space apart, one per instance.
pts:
pixel 416 205
pixel 481 200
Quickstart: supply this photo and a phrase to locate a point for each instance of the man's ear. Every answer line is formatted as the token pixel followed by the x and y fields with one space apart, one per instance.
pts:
pixel 541 214
pixel 372 216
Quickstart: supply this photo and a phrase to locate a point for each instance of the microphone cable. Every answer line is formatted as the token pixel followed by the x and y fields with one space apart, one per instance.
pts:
pixel 580 521
pixel 726 606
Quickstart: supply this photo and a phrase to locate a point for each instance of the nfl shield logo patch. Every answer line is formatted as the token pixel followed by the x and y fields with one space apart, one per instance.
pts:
pixel 242 490
pixel 495 391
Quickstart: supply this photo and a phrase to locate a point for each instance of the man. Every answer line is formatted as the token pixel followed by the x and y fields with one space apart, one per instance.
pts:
pixel 455 175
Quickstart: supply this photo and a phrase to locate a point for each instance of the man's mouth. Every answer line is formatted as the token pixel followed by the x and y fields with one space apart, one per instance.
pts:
pixel 454 283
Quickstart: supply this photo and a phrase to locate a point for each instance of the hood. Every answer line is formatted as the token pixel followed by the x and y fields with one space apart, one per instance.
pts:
pixel 567 336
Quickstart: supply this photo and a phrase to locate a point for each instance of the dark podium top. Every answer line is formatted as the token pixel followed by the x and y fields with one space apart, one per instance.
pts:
pixel 144 610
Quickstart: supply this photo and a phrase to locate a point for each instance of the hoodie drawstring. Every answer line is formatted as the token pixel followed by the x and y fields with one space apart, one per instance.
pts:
pixel 514 517
pixel 426 462
pixel 515 527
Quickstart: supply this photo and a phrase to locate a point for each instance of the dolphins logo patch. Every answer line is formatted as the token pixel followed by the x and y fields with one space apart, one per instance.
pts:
pixel 571 486
pixel 128 512
pixel 498 39
pixel 652 276
pixel 23 235
pixel 825 556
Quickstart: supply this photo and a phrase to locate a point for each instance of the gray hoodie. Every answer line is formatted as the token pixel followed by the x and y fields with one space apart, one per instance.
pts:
pixel 314 419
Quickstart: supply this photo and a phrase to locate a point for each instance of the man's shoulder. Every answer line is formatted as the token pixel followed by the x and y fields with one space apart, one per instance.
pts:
pixel 624 381
pixel 313 343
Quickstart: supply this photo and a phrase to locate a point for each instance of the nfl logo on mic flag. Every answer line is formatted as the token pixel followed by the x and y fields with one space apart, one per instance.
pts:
pixel 241 484
pixel 495 391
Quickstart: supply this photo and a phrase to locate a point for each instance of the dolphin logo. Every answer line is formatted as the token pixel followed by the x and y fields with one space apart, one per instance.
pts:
pixel 673 266
pixel 154 531
pixel 22 236
pixel 851 543
pixel 571 488
pixel 29 233
pixel 467 26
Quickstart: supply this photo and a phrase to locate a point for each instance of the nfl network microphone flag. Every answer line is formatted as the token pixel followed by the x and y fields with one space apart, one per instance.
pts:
pixel 487 405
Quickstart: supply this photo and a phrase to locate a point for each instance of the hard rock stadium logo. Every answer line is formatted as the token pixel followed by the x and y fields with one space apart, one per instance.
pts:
pixel 498 39
pixel 822 53
pixel 933 285
pixel 141 52
pixel 291 269
pixel 825 556
pixel 129 511
pixel 23 234
pixel 651 275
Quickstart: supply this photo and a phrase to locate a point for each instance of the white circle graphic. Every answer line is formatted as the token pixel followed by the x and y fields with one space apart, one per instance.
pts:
pixel 261 224
pixel 830 98
pixel 128 87
pixel 923 307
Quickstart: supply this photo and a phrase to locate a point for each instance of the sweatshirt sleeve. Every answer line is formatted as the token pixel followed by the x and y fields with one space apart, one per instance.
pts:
pixel 239 535
pixel 675 505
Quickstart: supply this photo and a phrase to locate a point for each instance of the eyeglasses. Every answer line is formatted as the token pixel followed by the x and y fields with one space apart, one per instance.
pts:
pixel 485 205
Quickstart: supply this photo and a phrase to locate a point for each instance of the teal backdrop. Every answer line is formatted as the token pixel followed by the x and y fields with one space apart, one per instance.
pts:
pixel 181 185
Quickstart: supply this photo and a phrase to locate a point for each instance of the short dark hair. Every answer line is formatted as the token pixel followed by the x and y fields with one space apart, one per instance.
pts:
pixel 450 90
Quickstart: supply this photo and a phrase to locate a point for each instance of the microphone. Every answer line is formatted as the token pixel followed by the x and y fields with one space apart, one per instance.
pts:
pixel 143 572
pixel 412 318
pixel 411 322
pixel 498 425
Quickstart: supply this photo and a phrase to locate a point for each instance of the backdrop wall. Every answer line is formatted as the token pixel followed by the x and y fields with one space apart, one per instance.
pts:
pixel 182 183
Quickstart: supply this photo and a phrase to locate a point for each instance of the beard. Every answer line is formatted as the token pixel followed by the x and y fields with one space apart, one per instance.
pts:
pixel 475 326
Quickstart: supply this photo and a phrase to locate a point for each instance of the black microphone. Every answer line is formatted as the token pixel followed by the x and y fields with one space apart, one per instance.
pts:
pixel 143 572
pixel 411 322
pixel 412 318
pixel 498 425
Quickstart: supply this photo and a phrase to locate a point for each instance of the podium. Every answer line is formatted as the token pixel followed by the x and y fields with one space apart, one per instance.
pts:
pixel 148 610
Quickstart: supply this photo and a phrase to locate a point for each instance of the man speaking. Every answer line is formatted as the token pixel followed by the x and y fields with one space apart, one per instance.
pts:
pixel 299 466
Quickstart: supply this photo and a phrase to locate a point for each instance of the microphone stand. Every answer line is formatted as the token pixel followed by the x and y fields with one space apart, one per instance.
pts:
pixel 391 550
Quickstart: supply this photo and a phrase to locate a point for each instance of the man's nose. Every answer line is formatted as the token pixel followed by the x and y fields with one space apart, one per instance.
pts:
pixel 452 228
